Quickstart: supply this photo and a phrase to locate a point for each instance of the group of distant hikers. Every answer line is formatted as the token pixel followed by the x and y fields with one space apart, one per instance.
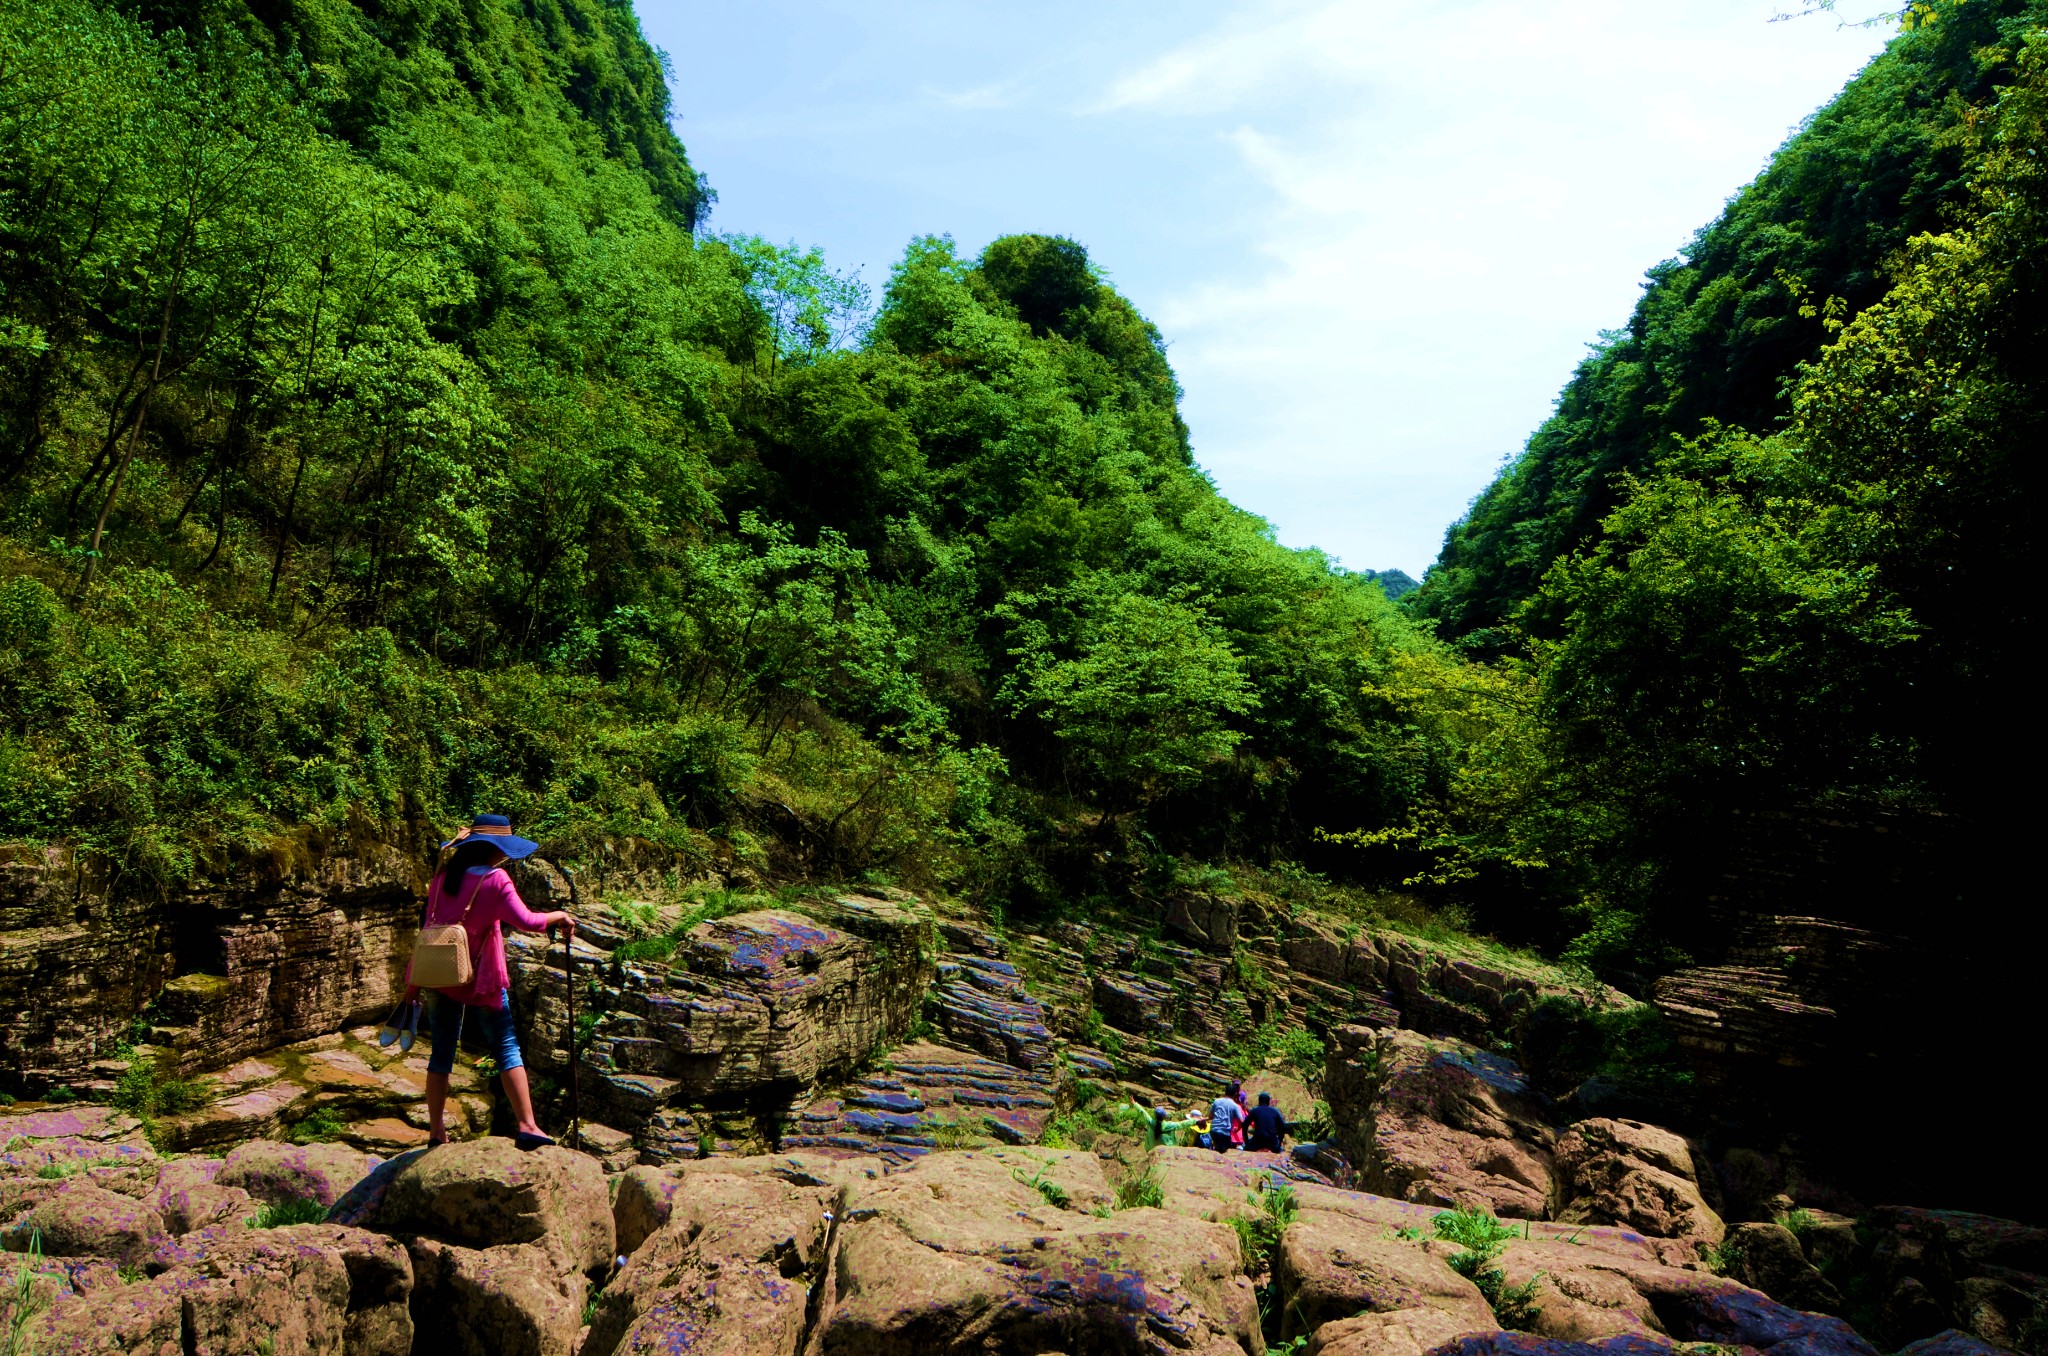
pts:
pixel 1230 1123
pixel 458 968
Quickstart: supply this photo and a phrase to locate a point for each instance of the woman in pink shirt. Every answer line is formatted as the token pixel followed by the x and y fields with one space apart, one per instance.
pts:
pixel 472 889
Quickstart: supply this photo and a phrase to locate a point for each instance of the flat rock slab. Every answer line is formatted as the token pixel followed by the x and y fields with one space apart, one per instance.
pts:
pixel 962 1252
pixel 927 1090
pixel 371 1087
pixel 89 1122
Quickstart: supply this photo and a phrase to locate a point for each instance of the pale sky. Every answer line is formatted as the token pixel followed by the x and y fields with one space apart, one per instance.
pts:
pixel 1376 238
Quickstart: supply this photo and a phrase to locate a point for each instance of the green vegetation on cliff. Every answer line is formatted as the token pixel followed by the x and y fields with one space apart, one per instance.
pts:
pixel 1755 598
pixel 379 438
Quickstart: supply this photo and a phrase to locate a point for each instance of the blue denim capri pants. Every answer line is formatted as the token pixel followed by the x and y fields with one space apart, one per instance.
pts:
pixel 446 1016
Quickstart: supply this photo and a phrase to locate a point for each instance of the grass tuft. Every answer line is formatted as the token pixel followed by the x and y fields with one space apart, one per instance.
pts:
pixel 1483 1237
pixel 279 1214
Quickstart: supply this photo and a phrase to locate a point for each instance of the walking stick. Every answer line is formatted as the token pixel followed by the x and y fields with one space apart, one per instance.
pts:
pixel 569 976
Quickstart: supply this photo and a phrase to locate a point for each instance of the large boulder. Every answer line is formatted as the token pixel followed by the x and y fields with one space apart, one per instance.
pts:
pixel 190 1209
pixel 642 1200
pixel 297 1287
pixel 1332 1266
pixel 272 1171
pixel 1636 1175
pixel 486 1193
pixel 77 1219
pixel 132 1320
pixel 1589 1287
pixel 1398 1332
pixel 308 1290
pixel 502 1301
pixel 1949 1342
pixel 732 1266
pixel 767 999
pixel 1768 1257
pixel 1440 1123
pixel 1931 1270
pixel 1202 919
pixel 961 1252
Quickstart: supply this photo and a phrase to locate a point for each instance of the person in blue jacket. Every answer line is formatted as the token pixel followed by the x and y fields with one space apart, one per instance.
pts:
pixel 1267 1126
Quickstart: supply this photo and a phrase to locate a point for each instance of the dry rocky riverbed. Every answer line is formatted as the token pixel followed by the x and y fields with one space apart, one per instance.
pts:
pixel 829 1126
pixel 476 1247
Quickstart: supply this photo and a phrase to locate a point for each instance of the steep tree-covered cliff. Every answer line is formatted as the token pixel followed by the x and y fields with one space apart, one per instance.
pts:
pixel 1761 573
pixel 379 434
pixel 1722 327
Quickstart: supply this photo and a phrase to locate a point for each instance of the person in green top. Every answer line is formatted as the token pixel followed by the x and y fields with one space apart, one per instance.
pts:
pixel 1158 1129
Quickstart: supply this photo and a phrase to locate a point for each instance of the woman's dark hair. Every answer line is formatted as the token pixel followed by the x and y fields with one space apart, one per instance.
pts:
pixel 464 857
pixel 1158 1123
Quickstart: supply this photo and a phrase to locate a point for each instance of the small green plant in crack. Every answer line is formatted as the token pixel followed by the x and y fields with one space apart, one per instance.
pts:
pixel 596 1298
pixel 22 1300
pixel 1481 1238
pixel 1141 1190
pixel 1260 1234
pixel 1055 1195
pixel 279 1214
pixel 959 1134
pixel 321 1127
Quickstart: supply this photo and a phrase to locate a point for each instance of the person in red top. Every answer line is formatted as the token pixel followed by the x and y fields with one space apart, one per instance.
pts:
pixel 472 889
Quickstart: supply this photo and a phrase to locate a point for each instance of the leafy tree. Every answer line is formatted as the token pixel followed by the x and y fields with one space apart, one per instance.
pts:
pixel 1144 699
pixel 810 308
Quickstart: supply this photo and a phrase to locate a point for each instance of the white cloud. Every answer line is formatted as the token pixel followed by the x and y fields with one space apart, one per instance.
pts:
pixel 1000 94
pixel 1377 238
pixel 1452 199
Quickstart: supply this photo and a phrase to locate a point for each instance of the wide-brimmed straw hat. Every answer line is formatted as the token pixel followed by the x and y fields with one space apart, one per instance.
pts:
pixel 497 831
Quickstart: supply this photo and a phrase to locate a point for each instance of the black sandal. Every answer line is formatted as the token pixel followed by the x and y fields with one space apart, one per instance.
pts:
pixel 531 1142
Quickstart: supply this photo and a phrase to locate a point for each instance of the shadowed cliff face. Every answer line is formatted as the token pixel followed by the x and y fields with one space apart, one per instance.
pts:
pixel 292 944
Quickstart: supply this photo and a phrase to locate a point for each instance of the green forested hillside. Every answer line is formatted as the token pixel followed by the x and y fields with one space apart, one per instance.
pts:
pixel 1764 571
pixel 1721 328
pixel 383 434
pixel 377 438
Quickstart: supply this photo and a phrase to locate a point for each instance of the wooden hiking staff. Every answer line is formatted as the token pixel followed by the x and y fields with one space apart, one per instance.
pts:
pixel 569 977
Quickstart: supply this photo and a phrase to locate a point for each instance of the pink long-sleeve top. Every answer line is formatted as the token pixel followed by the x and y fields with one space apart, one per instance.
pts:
pixel 485 904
